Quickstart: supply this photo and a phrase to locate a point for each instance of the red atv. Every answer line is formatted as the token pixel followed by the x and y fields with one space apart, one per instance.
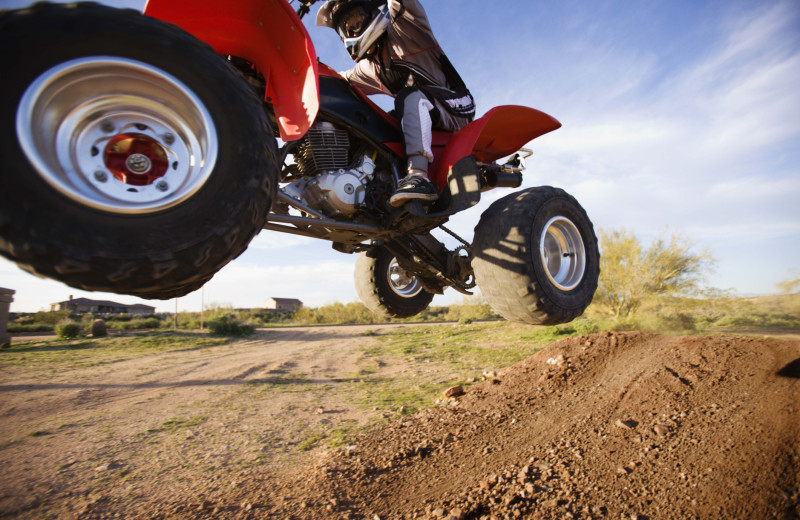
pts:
pixel 140 155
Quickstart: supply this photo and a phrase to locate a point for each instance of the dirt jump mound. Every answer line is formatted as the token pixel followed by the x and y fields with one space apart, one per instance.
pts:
pixel 612 425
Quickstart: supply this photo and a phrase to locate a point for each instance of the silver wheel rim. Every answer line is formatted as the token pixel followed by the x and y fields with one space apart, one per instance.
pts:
pixel 117 135
pixel 401 282
pixel 562 253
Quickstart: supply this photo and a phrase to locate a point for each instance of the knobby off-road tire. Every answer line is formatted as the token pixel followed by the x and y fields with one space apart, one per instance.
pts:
pixel 387 289
pixel 536 259
pixel 135 159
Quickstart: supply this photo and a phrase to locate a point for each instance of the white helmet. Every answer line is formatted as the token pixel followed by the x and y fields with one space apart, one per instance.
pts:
pixel 360 23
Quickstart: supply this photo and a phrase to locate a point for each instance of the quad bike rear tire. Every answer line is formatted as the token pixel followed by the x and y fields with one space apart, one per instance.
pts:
pixel 387 289
pixel 535 257
pixel 135 159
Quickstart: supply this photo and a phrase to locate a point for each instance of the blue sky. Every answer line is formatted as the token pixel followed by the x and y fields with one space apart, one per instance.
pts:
pixel 679 116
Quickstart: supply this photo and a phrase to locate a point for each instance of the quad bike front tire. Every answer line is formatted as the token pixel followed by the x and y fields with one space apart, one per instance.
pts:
pixel 135 159
pixel 387 289
pixel 535 257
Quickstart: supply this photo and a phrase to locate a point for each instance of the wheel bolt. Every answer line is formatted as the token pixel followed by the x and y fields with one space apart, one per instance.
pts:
pixel 169 138
pixel 100 176
pixel 107 126
pixel 162 185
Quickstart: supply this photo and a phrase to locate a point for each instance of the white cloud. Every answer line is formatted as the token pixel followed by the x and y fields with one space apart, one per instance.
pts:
pixel 268 240
pixel 746 189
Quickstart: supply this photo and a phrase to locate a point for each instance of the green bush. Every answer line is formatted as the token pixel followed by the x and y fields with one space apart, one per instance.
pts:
pixel 68 330
pixel 229 325
pixel 29 327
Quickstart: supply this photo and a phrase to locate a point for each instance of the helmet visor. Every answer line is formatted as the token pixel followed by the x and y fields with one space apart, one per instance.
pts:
pixel 352 23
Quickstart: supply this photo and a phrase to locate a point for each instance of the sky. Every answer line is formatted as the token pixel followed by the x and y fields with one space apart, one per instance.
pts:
pixel 678 116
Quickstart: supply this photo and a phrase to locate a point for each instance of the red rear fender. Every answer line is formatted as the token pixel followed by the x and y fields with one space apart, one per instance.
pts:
pixel 265 32
pixel 500 132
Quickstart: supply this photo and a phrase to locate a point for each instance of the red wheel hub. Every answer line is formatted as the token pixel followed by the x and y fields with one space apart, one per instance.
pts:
pixel 135 159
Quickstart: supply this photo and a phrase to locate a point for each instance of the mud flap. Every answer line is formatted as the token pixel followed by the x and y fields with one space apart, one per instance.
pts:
pixel 463 191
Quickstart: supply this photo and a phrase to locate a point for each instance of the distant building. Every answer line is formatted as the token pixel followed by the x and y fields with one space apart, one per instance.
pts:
pixel 83 305
pixel 283 304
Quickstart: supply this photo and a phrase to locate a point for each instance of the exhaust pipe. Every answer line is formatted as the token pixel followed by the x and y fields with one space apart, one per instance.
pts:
pixel 501 179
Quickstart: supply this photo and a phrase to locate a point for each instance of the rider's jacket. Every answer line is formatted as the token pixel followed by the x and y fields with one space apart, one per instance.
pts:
pixel 413 59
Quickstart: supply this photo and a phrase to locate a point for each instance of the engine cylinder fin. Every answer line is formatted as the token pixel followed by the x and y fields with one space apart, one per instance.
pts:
pixel 324 148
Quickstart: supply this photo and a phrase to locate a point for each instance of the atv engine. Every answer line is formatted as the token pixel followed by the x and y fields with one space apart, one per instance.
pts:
pixel 330 182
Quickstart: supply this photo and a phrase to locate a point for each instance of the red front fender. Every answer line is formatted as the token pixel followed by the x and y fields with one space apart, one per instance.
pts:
pixel 500 132
pixel 265 32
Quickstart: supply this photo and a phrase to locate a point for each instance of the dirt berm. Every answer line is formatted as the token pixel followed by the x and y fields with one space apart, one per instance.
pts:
pixel 612 425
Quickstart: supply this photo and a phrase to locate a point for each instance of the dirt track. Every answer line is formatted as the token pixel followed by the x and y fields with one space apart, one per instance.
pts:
pixel 611 425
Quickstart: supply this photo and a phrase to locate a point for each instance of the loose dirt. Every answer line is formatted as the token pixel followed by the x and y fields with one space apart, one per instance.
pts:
pixel 611 425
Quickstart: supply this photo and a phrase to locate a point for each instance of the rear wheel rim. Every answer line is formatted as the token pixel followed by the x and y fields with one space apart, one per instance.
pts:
pixel 117 135
pixel 401 282
pixel 562 253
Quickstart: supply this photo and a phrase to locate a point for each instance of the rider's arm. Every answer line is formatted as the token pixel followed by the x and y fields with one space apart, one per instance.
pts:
pixel 365 76
pixel 413 7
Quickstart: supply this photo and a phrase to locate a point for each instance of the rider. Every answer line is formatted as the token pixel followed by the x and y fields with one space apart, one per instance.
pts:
pixel 396 54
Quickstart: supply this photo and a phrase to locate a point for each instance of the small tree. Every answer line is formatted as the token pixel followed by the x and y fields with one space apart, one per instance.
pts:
pixel 630 274
pixel 789 286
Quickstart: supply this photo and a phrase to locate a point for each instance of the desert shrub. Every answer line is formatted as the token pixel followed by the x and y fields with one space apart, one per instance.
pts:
pixel 676 322
pixel 87 320
pixel 584 326
pixel 229 325
pixel 51 317
pixel 99 329
pixel 186 320
pixel 433 313
pixel 576 327
pixel 137 324
pixel 760 319
pixel 29 327
pixel 267 316
pixel 27 319
pixel 480 311
pixel 147 323
pixel 337 313
pixel 68 330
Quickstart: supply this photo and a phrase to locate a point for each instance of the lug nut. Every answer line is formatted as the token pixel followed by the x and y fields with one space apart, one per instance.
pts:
pixel 162 185
pixel 169 138
pixel 100 176
pixel 107 126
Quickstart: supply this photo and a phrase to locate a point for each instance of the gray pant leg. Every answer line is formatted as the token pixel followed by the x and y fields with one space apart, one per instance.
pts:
pixel 418 126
